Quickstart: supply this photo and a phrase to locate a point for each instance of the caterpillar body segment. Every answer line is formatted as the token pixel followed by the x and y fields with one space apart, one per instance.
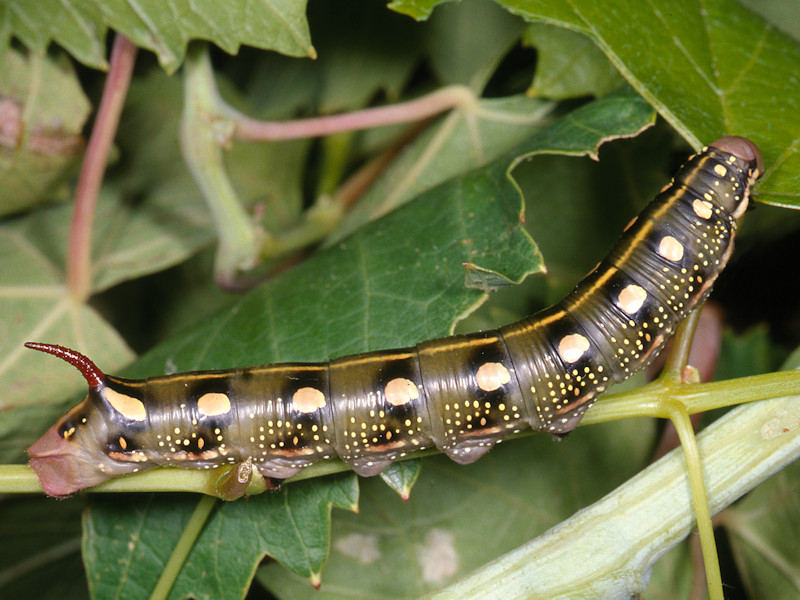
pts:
pixel 461 394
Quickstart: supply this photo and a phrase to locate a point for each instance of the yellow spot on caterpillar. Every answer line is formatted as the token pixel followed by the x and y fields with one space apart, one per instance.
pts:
pixel 123 443
pixel 720 170
pixel 400 391
pixel 702 208
pixel 128 406
pixel 492 376
pixel 308 400
pixel 213 404
pixel 572 347
pixel 670 248
pixel 631 298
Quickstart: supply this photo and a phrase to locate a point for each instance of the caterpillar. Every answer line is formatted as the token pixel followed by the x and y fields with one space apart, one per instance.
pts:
pixel 461 394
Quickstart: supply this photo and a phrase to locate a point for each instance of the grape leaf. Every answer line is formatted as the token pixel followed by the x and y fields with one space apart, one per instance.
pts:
pixel 162 27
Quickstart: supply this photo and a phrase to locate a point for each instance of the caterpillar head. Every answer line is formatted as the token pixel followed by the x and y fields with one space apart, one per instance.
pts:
pixel 743 149
pixel 747 157
pixel 75 454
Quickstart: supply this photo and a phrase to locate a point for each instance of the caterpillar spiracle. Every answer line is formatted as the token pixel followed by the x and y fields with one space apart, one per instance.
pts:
pixel 461 394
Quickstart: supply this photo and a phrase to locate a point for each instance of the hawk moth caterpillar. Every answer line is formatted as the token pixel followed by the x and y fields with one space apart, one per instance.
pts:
pixel 461 394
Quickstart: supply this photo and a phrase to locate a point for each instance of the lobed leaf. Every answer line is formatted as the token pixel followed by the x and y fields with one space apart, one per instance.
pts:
pixel 165 28
pixel 709 68
pixel 42 110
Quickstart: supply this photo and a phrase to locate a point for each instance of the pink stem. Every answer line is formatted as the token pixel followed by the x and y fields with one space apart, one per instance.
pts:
pixel 79 265
pixel 94 376
pixel 403 112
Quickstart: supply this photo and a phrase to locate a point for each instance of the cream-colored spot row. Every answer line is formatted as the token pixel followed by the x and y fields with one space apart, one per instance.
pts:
pixel 129 407
pixel 213 404
pixel 572 347
pixel 703 208
pixel 670 248
pixel 400 391
pixel 492 376
pixel 308 400
pixel 631 298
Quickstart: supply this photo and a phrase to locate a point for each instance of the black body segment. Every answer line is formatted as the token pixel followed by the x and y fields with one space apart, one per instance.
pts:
pixel 461 394
pixel 380 408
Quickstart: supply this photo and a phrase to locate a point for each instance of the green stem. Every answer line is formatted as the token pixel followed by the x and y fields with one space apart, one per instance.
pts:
pixel 182 549
pixel 208 124
pixel 683 425
pixel 678 356
pixel 644 401
pixel 201 138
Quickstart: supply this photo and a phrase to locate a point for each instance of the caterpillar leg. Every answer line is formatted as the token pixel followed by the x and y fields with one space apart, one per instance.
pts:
pixel 233 483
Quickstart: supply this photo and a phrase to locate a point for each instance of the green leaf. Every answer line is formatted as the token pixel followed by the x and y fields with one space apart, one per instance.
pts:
pixel 466 41
pixel 763 530
pixel 162 27
pixel 475 218
pixel 718 69
pixel 575 209
pixel 489 129
pixel 764 527
pixel 466 138
pixel 143 224
pixel 357 43
pixel 781 13
pixel 36 307
pixel 568 65
pixel 460 517
pixel 358 58
pixel 37 535
pixel 139 533
pixel 43 110
pixel 402 476
pixel 419 9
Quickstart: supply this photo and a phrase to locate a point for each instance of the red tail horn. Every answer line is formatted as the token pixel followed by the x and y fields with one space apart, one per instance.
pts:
pixel 94 376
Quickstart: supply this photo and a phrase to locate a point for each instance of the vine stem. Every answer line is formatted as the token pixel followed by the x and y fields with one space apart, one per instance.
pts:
pixel 675 370
pixel 678 357
pixel 202 136
pixel 79 261
pixel 209 124
pixel 679 417
pixel 418 109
